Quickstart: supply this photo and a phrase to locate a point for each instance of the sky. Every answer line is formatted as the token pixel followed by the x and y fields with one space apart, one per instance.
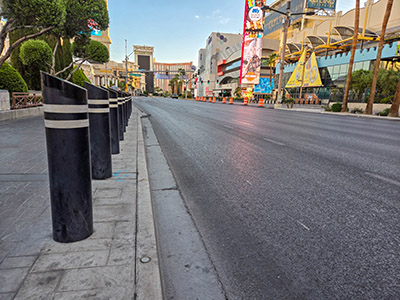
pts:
pixel 176 28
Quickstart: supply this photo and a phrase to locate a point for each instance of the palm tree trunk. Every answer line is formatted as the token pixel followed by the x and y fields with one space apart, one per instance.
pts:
pixel 394 109
pixel 353 52
pixel 370 103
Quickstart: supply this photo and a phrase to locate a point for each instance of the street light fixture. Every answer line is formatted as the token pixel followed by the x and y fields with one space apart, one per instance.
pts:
pixel 126 64
pixel 286 24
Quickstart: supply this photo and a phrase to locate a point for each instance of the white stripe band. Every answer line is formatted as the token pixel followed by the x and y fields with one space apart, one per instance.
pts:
pixel 113 105
pixel 59 108
pixel 98 101
pixel 69 124
pixel 99 110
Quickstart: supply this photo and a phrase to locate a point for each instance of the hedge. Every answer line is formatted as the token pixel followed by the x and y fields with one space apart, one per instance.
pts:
pixel 11 80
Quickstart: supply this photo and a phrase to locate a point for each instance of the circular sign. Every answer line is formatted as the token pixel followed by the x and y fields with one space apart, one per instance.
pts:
pixel 255 14
pixel 251 76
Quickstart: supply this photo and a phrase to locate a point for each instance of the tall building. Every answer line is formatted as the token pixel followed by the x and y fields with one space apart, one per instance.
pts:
pixel 144 59
pixel 329 34
pixel 208 59
pixel 162 79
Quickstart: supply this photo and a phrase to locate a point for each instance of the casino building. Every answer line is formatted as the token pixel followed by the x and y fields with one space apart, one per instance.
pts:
pixel 329 35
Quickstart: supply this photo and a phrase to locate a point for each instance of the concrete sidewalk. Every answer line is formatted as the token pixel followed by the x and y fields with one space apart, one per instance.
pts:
pixel 119 261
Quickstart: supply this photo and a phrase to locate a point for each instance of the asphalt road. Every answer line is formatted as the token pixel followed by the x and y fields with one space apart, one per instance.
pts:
pixel 290 205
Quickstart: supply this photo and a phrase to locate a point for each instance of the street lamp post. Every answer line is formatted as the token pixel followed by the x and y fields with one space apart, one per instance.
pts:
pixel 126 64
pixel 286 24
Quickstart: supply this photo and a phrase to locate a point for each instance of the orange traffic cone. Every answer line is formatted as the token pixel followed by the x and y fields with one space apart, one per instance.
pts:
pixel 260 103
pixel 210 99
pixel 214 100
pixel 245 101
pixel 223 100
pixel 230 100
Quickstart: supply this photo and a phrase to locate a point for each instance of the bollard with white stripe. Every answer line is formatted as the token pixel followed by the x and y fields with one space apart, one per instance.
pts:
pixel 68 153
pixel 121 116
pixel 126 103
pixel 100 131
pixel 114 121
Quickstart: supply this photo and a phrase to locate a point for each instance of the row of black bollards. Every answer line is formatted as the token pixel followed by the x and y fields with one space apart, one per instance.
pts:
pixel 84 126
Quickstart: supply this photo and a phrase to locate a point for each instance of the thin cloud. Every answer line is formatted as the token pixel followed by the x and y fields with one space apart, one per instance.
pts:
pixel 197 17
pixel 223 21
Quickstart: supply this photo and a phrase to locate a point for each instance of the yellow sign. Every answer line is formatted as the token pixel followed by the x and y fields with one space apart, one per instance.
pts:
pixel 296 78
pixel 312 78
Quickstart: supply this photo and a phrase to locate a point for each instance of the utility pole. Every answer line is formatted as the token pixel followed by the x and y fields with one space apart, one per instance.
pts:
pixel 126 65
pixel 286 24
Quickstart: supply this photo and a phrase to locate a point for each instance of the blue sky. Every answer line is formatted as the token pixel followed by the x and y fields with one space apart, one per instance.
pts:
pixel 176 28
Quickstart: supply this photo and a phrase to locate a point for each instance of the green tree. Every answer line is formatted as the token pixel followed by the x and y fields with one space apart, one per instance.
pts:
pixel 394 109
pixel 271 61
pixel 41 16
pixel 353 52
pixel 79 15
pixel 360 81
pixel 36 56
pixel 92 51
pixel 371 97
pixel 11 80
pixel 79 78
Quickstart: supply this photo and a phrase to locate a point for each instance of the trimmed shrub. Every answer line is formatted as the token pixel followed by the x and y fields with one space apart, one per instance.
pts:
pixel 336 107
pixel 36 56
pixel 11 80
pixel 79 78
pixel 36 53
pixel 384 112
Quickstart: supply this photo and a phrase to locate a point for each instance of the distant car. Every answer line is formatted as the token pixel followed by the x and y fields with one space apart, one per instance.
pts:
pixel 174 96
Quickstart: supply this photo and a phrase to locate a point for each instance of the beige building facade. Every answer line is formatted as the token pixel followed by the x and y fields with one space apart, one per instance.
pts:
pixel 162 79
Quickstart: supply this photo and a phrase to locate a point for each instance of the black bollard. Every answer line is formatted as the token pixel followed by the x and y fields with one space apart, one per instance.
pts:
pixel 114 121
pixel 100 131
pixel 126 109
pixel 121 116
pixel 68 152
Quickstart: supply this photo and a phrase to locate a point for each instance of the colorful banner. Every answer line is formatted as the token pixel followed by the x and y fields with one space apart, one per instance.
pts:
pixel 252 42
pixel 251 63
pixel 264 86
pixel 325 4
pixel 296 78
pixel 312 78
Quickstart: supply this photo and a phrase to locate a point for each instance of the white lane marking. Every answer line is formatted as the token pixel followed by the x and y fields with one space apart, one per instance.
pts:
pixel 229 127
pixel 383 178
pixel 298 222
pixel 274 142
pixel 246 123
pixel 248 182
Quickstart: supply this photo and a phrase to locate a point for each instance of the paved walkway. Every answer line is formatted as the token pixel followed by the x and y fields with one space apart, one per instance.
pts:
pixel 105 266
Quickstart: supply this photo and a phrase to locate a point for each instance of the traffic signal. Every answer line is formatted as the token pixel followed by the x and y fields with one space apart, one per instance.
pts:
pixel 208 81
pixel 166 72
pixel 201 81
pixel 183 72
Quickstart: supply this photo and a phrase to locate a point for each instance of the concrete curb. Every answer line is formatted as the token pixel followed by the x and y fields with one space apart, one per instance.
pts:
pixel 21 113
pixel 340 114
pixel 148 279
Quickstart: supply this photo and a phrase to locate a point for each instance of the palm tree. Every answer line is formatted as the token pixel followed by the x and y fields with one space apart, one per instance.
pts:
pixel 394 109
pixel 353 52
pixel 271 60
pixel 370 102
